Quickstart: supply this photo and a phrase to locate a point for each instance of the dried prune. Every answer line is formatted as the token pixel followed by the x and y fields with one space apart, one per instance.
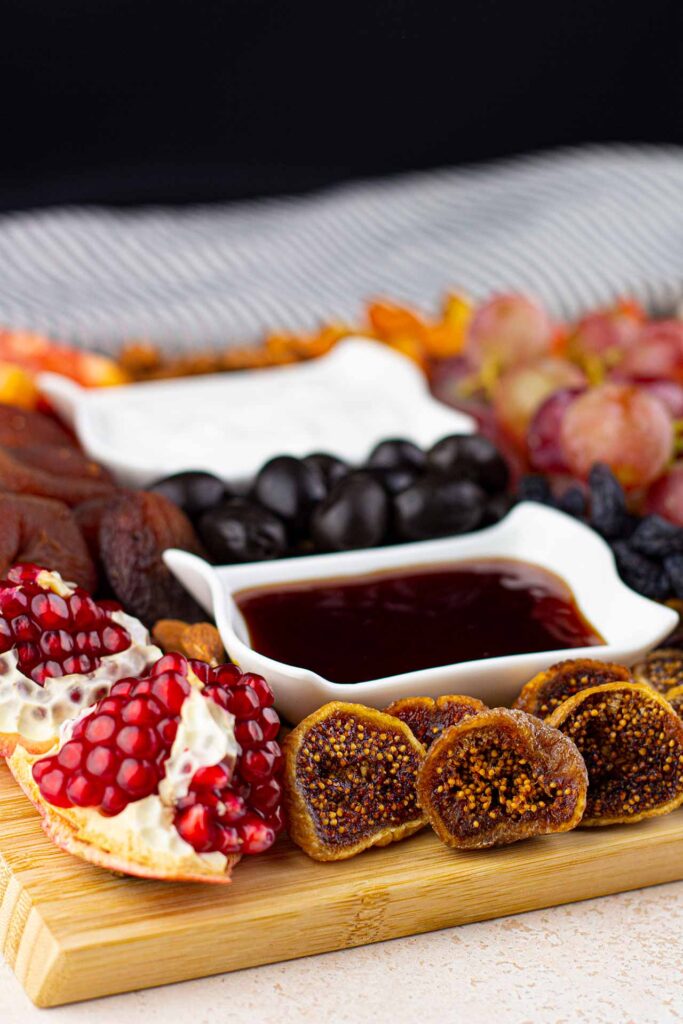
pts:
pixel 662 669
pixel 642 574
pixel 427 718
pixel 657 537
pixel 21 478
pixel 44 532
pixel 134 532
pixel 501 776
pixel 608 503
pixel 546 691
pixel 20 427
pixel 350 781
pixel 632 742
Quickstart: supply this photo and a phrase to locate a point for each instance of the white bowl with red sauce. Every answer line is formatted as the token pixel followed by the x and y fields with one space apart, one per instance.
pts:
pixel 531 535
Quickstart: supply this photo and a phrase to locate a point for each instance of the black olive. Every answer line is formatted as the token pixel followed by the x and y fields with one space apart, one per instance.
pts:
pixel 241 531
pixel 290 489
pixel 193 491
pixel 436 506
pixel 394 479
pixel 355 514
pixel 330 467
pixel 396 453
pixel 497 507
pixel 470 457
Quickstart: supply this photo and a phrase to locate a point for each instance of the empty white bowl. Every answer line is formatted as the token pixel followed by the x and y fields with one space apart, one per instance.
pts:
pixel 231 423
pixel 629 623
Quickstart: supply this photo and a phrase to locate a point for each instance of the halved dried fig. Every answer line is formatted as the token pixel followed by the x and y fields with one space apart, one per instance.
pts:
pixel 662 669
pixel 632 742
pixel 675 699
pixel 45 532
pixel 427 718
pixel 501 776
pixel 547 690
pixel 350 777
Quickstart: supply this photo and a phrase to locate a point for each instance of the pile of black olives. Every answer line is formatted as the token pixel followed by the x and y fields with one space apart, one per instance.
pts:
pixel 319 503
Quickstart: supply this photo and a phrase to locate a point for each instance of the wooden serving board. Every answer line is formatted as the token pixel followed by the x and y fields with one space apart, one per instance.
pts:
pixel 72 931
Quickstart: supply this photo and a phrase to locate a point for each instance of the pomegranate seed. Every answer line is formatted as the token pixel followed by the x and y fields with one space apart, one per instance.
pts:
pixel 266 797
pixel 256 765
pixel 275 750
pixel 170 688
pixel 84 792
pixel 6 637
pixel 101 763
pixel 260 688
pixel 228 840
pixel 108 605
pixel 277 819
pixel 57 644
pixel 88 642
pixel 167 730
pixel 100 728
pixel 80 664
pixel 114 639
pixel 23 628
pixel 137 741
pixel 40 768
pixel 137 778
pixel 255 834
pixel 46 670
pixel 219 694
pixel 28 656
pixel 214 777
pixel 201 669
pixel 113 801
pixel 244 703
pixel 194 826
pixel 51 610
pixel 141 711
pixel 83 611
pixel 71 755
pixel 53 787
pixel 233 807
pixel 14 602
pixel 270 723
pixel 248 734
pixel 170 663
pixel 25 572
pixel 122 688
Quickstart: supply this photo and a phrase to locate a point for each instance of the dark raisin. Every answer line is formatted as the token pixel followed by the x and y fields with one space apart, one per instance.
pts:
pixel 534 488
pixel 657 537
pixel 573 502
pixel 641 573
pixel 673 565
pixel 608 502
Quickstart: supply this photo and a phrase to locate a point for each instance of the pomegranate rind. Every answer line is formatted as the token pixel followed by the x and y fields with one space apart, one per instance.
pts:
pixel 557 766
pixel 429 717
pixel 303 826
pixel 658 740
pixel 662 669
pixel 74 830
pixel 547 690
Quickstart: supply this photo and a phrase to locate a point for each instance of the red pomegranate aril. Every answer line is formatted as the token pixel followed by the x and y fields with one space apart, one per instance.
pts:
pixel 83 611
pixel 88 642
pixel 166 730
pixel 22 628
pixel 228 840
pixel 28 655
pixel 100 729
pixel 141 711
pixel 194 826
pixel 41 768
pixel 137 778
pixel 270 723
pixel 53 787
pixel 248 733
pixel 244 703
pixel 255 834
pixel 57 644
pixel 122 688
pixel 170 689
pixel 138 741
pixel 260 687
pixel 170 663
pixel 101 763
pixel 232 807
pixel 113 801
pixel 14 602
pixel 256 765
pixel 277 819
pixel 71 755
pixel 109 605
pixel 201 669
pixel 143 687
pixel 214 777
pixel 266 797
pixel 51 610
pixel 226 675
pixel 111 705
pixel 114 639
pixel 46 670
pixel 83 791
pixel 219 694
pixel 25 572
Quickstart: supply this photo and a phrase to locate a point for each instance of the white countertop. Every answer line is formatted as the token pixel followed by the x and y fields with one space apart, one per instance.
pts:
pixel 616 960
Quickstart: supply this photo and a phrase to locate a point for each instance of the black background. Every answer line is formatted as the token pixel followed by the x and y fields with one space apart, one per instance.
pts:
pixel 124 101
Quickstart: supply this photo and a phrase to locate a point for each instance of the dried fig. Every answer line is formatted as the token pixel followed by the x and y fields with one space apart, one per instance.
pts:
pixel 134 532
pixel 546 691
pixel 632 742
pixel 675 699
pixel 21 478
pixel 661 669
pixel 427 718
pixel 45 532
pixel 501 776
pixel 350 781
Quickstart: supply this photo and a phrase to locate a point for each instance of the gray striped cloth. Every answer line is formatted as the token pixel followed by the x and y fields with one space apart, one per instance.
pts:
pixel 575 228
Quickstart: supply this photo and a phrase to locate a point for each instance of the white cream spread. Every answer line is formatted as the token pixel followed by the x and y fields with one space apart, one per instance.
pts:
pixel 36 712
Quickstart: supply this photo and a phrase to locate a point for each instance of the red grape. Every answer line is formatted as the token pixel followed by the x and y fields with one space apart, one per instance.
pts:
pixel 623 426
pixel 508 329
pixel 544 438
pixel 658 354
pixel 665 497
pixel 607 334
pixel 522 389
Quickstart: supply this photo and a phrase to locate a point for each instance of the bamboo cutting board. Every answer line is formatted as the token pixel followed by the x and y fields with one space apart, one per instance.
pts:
pixel 72 931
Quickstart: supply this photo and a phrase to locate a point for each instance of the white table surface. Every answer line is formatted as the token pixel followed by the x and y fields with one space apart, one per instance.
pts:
pixel 617 960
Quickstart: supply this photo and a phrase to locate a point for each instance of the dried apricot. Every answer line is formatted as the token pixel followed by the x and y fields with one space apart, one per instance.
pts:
pixel 632 742
pixel 63 461
pixel 22 478
pixel 350 777
pixel 501 776
pixel 45 532
pixel 661 669
pixel 134 532
pixel 19 427
pixel 546 691
pixel 427 718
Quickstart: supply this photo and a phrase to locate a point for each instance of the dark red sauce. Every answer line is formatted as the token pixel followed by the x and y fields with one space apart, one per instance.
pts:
pixel 386 623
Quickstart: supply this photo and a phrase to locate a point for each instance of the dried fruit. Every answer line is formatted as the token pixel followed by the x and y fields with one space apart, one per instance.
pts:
pixel 44 531
pixel 201 640
pixel 608 502
pixel 632 742
pixel 501 776
pixel 675 699
pixel 20 428
pixel 427 718
pixel 186 753
pixel 22 478
pixel 134 532
pixel 662 669
pixel 642 574
pixel 63 461
pixel 60 651
pixel 350 777
pixel 657 537
pixel 547 690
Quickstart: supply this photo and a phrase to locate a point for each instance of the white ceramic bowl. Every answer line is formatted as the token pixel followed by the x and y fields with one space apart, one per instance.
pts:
pixel 629 623
pixel 231 423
